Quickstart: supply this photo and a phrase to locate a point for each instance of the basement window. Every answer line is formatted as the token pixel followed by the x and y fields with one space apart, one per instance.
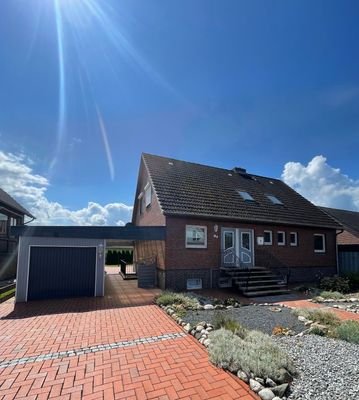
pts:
pixel 319 243
pixel 267 237
pixel 194 283
pixel 245 195
pixel 196 236
pixel 274 199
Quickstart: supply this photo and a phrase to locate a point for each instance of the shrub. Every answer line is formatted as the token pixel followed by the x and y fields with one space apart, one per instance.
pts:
pixel 220 320
pixel 331 295
pixel 335 284
pixel 256 353
pixel 317 315
pixel 170 298
pixel 317 330
pixel 353 280
pixel 348 331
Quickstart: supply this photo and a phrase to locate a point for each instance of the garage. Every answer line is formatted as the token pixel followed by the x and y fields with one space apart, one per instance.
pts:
pixel 58 272
pixel 69 261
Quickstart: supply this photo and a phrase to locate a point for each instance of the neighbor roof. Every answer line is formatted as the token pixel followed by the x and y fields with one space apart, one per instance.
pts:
pixel 12 204
pixel 188 189
pixel 349 219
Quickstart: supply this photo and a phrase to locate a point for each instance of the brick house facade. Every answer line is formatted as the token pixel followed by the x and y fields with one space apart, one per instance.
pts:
pixel 172 185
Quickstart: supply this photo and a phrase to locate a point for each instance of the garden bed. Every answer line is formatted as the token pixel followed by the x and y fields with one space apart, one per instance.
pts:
pixel 261 318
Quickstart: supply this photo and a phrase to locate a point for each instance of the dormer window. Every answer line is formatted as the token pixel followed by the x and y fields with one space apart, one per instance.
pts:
pixel 148 194
pixel 274 199
pixel 245 195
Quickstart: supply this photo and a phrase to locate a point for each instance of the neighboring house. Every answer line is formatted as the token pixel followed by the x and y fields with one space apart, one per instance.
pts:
pixel 347 240
pixel 217 219
pixel 11 214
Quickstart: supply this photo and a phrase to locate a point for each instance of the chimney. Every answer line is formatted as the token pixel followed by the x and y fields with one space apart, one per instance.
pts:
pixel 239 170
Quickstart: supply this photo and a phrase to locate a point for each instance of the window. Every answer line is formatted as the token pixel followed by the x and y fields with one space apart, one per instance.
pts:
pixel 196 236
pixel 141 202
pixel 267 237
pixel 281 238
pixel 293 236
pixel 194 283
pixel 273 199
pixel 319 243
pixel 245 195
pixel 3 224
pixel 13 221
pixel 148 194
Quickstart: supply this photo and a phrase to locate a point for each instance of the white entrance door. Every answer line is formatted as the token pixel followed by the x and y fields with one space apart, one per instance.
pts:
pixel 237 247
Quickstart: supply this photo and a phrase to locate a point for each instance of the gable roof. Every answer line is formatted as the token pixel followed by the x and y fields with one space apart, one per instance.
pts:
pixel 349 219
pixel 12 204
pixel 189 189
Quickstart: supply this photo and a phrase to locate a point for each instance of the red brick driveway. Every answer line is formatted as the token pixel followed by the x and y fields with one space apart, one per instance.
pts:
pixel 172 368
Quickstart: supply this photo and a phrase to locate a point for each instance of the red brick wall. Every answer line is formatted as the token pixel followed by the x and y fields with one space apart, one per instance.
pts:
pixel 152 215
pixel 179 257
pixel 347 238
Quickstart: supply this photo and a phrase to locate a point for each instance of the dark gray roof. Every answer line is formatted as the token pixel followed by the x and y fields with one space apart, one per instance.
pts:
pixel 189 189
pixel 349 219
pixel 12 204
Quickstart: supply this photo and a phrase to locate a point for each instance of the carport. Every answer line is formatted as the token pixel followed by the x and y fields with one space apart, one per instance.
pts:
pixel 69 261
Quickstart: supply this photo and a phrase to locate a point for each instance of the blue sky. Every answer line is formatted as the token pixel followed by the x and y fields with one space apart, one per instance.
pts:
pixel 258 84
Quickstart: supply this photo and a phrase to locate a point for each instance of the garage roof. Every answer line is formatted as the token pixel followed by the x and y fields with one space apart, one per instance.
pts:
pixel 93 232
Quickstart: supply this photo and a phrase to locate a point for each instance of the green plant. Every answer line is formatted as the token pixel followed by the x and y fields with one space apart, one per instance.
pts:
pixel 331 295
pixel 170 298
pixel 256 354
pixel 348 331
pixel 317 330
pixel 8 293
pixel 317 315
pixel 220 320
pixel 335 284
pixel 353 280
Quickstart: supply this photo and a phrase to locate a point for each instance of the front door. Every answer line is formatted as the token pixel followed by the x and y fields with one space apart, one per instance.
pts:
pixel 237 247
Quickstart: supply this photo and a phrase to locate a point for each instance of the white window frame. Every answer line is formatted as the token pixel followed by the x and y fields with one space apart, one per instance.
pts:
pixel 4 224
pixel 196 246
pixel 194 283
pixel 148 194
pixel 281 243
pixel 141 202
pixel 245 195
pixel 293 244
pixel 271 238
pixel 323 250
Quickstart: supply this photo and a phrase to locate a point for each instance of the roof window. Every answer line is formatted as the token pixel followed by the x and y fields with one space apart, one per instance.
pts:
pixel 273 199
pixel 245 195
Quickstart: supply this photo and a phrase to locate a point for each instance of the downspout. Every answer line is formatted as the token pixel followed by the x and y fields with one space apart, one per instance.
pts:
pixel 336 248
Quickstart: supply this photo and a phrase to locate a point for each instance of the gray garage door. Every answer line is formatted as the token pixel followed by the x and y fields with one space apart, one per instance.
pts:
pixel 57 272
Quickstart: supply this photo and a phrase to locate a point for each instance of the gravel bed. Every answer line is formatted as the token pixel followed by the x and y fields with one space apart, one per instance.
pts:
pixel 329 369
pixel 252 317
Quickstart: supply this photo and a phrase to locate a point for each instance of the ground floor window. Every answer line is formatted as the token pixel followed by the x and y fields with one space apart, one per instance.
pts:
pixel 319 243
pixel 196 236
pixel 281 238
pixel 293 236
pixel 267 237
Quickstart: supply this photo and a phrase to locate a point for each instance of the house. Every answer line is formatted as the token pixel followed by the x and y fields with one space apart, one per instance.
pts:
pixel 11 214
pixel 217 219
pixel 347 239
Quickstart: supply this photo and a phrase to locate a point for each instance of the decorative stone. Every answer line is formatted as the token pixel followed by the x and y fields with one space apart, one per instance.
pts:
pixel 280 389
pixel 255 386
pixel 187 327
pixel 270 382
pixel 284 376
pixel 302 319
pixel 260 380
pixel 207 342
pixel 276 398
pixel 275 309
pixel 198 335
pixel 266 394
pixel 209 329
pixel 199 328
pixel 243 376
pixel 229 307
pixel 208 307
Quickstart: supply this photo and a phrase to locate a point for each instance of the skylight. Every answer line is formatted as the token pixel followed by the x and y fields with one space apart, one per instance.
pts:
pixel 245 195
pixel 273 199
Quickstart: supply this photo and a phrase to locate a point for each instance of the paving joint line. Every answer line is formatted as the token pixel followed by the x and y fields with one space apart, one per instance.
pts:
pixel 91 349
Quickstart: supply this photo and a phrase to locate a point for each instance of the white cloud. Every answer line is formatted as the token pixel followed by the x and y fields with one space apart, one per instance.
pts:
pixel 29 189
pixel 322 184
